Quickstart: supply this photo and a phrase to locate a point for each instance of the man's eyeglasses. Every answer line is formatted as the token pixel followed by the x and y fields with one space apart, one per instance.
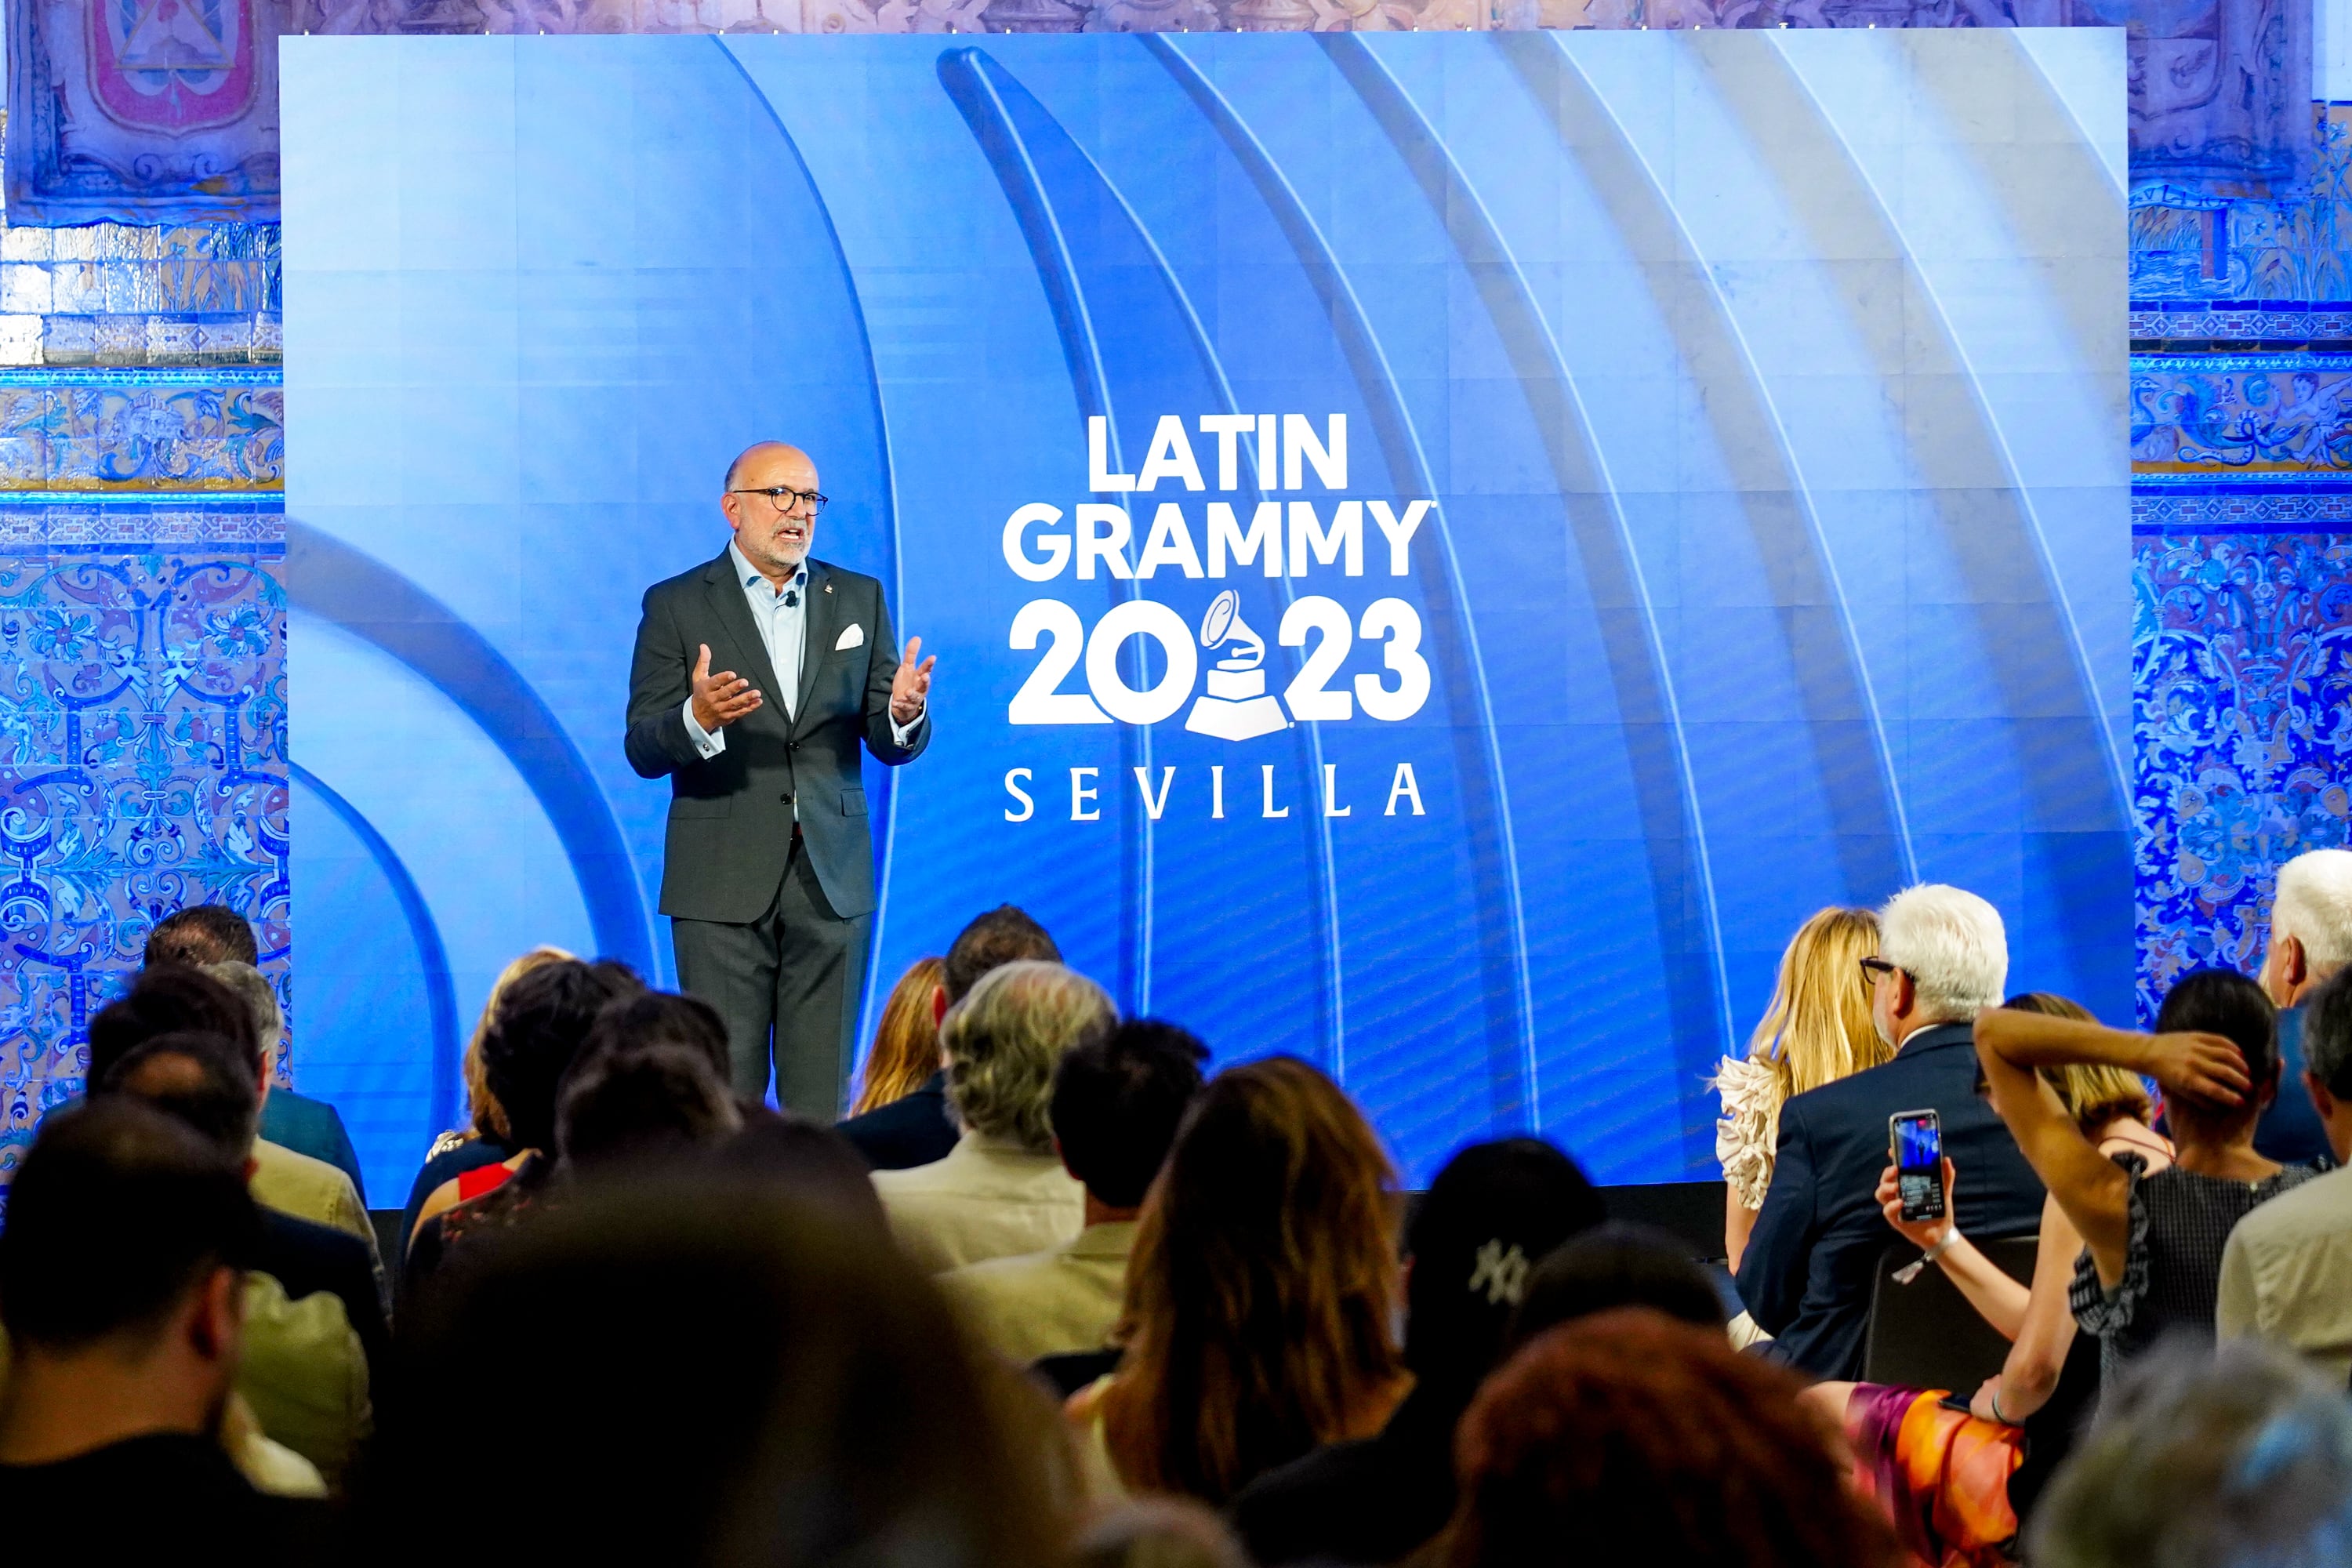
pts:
pixel 783 497
pixel 1874 970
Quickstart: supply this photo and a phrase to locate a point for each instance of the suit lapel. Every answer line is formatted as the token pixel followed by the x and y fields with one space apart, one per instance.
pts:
pixel 820 626
pixel 750 655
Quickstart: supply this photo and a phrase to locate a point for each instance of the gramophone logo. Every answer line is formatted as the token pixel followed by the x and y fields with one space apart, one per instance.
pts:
pixel 1236 706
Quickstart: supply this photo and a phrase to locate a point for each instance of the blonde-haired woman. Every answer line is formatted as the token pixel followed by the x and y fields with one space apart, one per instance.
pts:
pixel 482 1142
pixel 905 1049
pixel 1816 1031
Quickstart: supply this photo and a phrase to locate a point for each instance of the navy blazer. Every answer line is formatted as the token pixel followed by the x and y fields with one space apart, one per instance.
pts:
pixel 909 1132
pixel 1806 1274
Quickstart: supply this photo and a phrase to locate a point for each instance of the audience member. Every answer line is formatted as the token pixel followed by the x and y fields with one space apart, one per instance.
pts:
pixel 1158 1532
pixel 2286 1273
pixel 1611 1266
pixel 201 935
pixel 1640 1439
pixel 2310 940
pixel 1116 1104
pixel 542 1020
pixel 635 1103
pixel 2240 1460
pixel 1815 1030
pixel 1488 1217
pixel 1957 1483
pixel 2152 1239
pixel 310 1371
pixel 1806 1274
pixel 234 1006
pixel 1001 1189
pixel 484 1141
pixel 1259 1294
pixel 807 1161
pixel 804 1400
pixel 917 1128
pixel 905 1052
pixel 121 1290
pixel 283 1178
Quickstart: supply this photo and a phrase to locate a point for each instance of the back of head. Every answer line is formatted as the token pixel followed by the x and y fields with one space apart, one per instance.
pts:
pixel 661 1018
pixel 807 1161
pixel 483 1112
pixel 2094 1094
pixel 1617 1265
pixel 116 1213
pixel 1952 945
pixel 1003 1041
pixel 2314 905
pixel 1260 1286
pixel 632 1105
pixel 201 1080
pixel 1005 934
pixel 542 1019
pixel 2206 1459
pixel 1117 1103
pixel 795 1392
pixel 198 935
pixel 1646 1440
pixel 2327 1033
pixel 2225 1002
pixel 1817 1028
pixel 163 1001
pixel 252 988
pixel 1158 1532
pixel 905 1049
pixel 1490 1214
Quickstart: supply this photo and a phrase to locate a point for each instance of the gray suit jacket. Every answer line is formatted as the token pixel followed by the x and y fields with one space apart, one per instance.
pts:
pixel 730 816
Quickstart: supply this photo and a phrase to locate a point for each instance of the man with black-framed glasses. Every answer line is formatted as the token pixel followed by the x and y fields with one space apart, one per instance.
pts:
pixel 768 864
pixel 1943 955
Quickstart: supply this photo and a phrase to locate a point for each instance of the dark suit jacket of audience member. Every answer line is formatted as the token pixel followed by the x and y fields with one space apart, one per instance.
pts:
pixel 307 1258
pixel 161 1497
pixel 1806 1276
pixel 1370 1501
pixel 906 1132
pixel 311 1127
pixel 2291 1131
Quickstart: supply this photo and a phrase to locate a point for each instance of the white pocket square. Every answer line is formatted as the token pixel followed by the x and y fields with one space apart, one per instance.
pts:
pixel 852 636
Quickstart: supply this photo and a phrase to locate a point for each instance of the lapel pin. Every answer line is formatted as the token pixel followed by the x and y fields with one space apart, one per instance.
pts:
pixel 828 587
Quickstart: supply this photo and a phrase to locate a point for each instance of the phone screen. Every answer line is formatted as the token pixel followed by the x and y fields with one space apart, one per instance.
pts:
pixel 1919 1164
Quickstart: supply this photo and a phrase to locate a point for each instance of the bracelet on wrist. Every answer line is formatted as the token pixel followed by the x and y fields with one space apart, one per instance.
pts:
pixel 1943 1243
pixel 1992 1397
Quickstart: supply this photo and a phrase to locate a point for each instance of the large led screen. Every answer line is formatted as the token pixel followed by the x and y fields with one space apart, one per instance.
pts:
pixel 1442 550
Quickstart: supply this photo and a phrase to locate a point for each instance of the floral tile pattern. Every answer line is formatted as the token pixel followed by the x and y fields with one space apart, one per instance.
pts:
pixel 116 432
pixel 142 763
pixel 2241 665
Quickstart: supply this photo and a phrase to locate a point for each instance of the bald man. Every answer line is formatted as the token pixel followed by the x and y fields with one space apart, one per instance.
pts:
pixel 756 678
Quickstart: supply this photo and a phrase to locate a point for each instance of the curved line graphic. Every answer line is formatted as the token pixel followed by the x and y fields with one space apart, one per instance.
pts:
pixel 2118 767
pixel 440 991
pixel 1401 441
pixel 1310 735
pixel 1519 49
pixel 963 73
pixel 327 578
pixel 867 1019
pixel 1528 338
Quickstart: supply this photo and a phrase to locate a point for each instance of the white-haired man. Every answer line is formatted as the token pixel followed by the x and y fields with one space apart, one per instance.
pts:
pixel 1806 1277
pixel 2310 939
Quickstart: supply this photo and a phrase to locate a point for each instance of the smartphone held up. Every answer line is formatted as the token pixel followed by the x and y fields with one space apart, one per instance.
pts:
pixel 1916 1138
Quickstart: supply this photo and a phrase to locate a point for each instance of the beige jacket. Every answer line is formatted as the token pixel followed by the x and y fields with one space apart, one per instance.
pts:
pixel 989 1198
pixel 1065 1298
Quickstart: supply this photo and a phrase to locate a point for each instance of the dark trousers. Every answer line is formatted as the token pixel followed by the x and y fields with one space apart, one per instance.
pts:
pixel 792 974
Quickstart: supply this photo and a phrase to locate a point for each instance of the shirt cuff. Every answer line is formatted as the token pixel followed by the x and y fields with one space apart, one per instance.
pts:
pixel 902 733
pixel 705 744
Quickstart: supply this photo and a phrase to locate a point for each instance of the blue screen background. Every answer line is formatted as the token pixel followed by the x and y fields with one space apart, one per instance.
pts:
pixel 1769 388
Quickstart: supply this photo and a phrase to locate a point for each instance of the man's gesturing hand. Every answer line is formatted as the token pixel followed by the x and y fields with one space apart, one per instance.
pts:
pixel 720 699
pixel 912 687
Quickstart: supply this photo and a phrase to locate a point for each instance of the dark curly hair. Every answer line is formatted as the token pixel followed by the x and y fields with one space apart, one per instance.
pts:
pixel 542 1019
pixel 1645 1440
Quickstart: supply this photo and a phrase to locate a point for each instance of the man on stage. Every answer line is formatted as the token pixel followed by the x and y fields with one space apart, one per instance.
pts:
pixel 768 870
